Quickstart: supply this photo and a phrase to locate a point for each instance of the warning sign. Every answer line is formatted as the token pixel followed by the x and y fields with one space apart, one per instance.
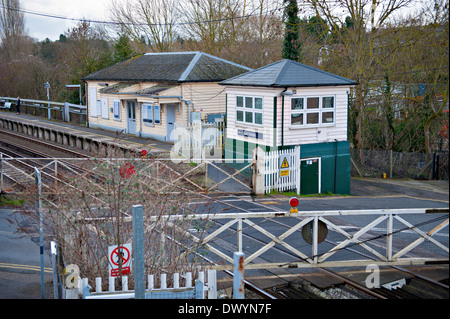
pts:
pixel 119 255
pixel 284 166
pixel 285 163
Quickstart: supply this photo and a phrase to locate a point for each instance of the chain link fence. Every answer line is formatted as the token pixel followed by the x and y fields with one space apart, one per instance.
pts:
pixel 371 163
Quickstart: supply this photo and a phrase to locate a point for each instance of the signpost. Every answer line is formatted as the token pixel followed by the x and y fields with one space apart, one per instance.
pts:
pixel 74 87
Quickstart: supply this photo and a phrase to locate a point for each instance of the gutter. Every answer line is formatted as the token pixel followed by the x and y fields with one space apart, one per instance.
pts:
pixel 188 103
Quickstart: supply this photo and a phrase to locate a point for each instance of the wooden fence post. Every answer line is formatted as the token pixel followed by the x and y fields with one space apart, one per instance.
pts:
pixel 258 171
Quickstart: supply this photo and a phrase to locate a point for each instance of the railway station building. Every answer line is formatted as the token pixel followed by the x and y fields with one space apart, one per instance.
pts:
pixel 147 94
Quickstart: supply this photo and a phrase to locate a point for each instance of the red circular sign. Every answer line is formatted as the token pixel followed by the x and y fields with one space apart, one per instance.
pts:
pixel 120 253
pixel 294 202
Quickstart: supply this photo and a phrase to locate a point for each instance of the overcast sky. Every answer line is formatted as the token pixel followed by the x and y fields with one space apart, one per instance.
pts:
pixel 41 27
pixel 45 27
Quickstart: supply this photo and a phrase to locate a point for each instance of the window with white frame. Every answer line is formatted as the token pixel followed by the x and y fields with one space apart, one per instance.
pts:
pixel 249 109
pixel 151 113
pixel 116 110
pixel 312 110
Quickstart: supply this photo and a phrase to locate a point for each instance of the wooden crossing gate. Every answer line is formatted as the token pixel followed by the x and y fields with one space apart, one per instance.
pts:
pixel 282 170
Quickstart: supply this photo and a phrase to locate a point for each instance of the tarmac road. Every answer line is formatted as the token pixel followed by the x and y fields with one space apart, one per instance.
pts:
pixel 20 262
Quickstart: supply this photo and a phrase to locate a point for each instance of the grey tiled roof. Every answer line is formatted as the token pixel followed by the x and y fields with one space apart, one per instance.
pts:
pixel 170 67
pixel 288 73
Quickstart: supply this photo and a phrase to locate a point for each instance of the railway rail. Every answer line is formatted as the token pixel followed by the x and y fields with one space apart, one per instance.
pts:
pixel 30 153
pixel 18 145
pixel 24 146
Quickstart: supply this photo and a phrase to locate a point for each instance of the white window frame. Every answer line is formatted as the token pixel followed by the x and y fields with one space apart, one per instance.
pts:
pixel 104 108
pixel 320 110
pixel 155 114
pixel 116 110
pixel 93 101
pixel 246 110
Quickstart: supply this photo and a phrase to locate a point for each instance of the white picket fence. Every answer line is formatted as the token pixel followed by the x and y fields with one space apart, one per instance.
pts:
pixel 177 291
pixel 279 177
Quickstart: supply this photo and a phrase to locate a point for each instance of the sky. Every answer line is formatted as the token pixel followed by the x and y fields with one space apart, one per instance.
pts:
pixel 45 27
pixel 40 27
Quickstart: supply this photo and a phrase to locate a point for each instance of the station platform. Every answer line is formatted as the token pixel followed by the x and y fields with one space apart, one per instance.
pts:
pixel 76 135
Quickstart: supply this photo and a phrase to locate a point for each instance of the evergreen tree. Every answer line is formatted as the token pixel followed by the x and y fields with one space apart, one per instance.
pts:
pixel 122 48
pixel 292 47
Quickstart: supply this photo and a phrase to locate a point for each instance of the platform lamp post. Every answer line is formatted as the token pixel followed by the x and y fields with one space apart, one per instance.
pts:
pixel 47 86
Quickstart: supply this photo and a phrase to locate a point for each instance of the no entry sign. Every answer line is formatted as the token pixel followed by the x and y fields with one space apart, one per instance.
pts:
pixel 117 255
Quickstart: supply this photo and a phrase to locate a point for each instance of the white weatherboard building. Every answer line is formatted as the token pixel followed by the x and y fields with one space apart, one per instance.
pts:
pixel 285 104
pixel 147 94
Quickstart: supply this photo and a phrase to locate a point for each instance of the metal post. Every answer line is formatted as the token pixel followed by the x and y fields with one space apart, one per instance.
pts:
pixel 298 169
pixel 1 171
pixel 389 236
pixel 315 239
pixel 138 251
pixel 239 233
pixel 238 279
pixel 38 180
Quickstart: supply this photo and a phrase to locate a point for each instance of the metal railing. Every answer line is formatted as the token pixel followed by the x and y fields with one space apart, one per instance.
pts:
pixel 50 109
pixel 215 175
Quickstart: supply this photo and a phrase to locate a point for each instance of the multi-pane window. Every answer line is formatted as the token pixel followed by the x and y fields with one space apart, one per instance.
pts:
pixel 312 110
pixel 151 113
pixel 116 109
pixel 249 109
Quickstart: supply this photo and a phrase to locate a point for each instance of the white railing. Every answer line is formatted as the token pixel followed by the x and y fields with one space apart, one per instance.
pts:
pixel 370 236
pixel 64 107
pixel 12 169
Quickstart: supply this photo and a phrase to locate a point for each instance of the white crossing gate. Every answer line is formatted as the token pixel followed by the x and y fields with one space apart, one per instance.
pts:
pixel 282 170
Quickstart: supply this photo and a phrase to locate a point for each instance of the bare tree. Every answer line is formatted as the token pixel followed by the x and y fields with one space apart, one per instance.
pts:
pixel 362 46
pixel 12 28
pixel 88 208
pixel 151 21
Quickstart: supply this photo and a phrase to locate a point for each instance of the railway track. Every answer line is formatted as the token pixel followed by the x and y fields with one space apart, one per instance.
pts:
pixel 29 153
pixel 24 146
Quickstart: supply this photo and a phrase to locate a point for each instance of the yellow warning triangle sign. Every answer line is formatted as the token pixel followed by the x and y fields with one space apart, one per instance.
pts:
pixel 285 163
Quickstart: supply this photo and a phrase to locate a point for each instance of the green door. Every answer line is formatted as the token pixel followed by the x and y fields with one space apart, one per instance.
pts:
pixel 309 182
